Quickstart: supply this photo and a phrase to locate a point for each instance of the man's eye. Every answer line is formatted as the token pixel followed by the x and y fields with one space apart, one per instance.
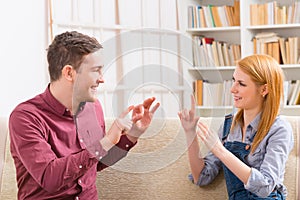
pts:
pixel 97 70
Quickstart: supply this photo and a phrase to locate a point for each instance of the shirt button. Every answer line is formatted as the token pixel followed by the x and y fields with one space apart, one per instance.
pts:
pixel 79 181
pixel 80 166
pixel 97 153
pixel 126 145
pixel 247 147
pixel 76 198
pixel 81 140
pixel 100 157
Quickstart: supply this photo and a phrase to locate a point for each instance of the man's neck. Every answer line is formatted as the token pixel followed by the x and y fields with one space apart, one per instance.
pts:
pixel 63 93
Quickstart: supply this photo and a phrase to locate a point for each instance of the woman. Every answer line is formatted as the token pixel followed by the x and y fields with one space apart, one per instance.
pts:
pixel 253 146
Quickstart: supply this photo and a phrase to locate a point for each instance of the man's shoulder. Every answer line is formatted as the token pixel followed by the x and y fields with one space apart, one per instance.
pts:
pixel 31 105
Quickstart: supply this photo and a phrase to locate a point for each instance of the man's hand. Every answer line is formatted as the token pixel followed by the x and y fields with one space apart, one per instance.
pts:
pixel 120 126
pixel 141 117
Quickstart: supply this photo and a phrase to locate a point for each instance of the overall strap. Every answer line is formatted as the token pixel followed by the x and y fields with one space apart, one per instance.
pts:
pixel 227 125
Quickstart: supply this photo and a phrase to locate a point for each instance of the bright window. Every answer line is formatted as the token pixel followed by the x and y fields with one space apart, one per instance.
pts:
pixel 141 42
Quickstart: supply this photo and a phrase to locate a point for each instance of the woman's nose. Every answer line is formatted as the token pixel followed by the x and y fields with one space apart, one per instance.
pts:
pixel 233 88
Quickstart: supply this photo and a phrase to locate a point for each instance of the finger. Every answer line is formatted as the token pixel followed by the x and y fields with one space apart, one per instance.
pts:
pixel 193 106
pixel 138 109
pixel 148 102
pixel 126 111
pixel 193 103
pixel 203 127
pixel 185 114
pixel 138 113
pixel 137 118
pixel 155 108
pixel 202 134
pixel 180 115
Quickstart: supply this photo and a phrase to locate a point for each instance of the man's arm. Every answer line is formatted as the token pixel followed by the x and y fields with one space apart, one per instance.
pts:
pixel 31 149
pixel 116 153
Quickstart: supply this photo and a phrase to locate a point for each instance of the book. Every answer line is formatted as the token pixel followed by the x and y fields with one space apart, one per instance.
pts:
pixel 236 13
pixel 225 54
pixel 229 15
pixel 283 50
pixel 276 52
pixel 208 16
pixel 223 17
pixel 295 93
pixel 220 53
pixel 254 14
pixel 198 90
pixel 215 53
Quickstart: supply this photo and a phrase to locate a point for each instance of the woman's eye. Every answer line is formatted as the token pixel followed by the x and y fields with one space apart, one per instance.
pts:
pixel 242 84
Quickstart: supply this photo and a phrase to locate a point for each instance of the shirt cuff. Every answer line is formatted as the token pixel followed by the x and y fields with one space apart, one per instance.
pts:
pixel 125 143
pixel 254 174
pixel 257 184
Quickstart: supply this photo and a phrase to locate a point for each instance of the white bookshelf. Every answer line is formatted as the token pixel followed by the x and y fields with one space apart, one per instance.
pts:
pixel 212 74
pixel 242 35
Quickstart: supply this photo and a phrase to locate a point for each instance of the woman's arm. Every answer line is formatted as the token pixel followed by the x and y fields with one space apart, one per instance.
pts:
pixel 196 163
pixel 239 168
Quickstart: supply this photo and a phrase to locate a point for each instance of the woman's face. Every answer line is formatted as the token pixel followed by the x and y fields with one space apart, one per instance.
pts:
pixel 246 94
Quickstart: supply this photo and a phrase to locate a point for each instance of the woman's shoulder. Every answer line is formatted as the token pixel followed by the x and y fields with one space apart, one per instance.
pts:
pixel 281 127
pixel 282 121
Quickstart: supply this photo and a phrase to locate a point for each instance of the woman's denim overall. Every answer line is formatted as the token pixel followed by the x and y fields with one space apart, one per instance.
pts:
pixel 235 187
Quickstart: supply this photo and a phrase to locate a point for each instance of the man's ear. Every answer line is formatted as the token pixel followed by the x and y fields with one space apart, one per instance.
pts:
pixel 68 72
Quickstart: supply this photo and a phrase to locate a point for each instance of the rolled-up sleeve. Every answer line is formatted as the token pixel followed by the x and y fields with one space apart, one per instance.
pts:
pixel 209 172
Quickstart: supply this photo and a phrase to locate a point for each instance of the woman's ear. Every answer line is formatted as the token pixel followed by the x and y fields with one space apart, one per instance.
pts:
pixel 68 72
pixel 264 90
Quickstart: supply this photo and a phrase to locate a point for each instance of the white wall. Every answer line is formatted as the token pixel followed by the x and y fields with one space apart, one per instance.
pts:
pixel 23 43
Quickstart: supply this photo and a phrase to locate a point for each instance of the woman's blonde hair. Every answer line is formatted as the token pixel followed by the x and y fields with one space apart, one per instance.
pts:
pixel 263 69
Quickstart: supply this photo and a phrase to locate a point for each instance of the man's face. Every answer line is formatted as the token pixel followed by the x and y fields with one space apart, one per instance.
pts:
pixel 88 78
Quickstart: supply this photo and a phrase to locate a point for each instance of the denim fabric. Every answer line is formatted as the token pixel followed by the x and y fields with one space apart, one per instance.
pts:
pixel 235 187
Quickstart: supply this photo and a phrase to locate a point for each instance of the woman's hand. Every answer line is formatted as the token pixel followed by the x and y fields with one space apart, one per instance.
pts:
pixel 188 119
pixel 208 138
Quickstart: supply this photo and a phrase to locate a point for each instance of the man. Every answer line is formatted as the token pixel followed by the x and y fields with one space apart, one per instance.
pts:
pixel 58 139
